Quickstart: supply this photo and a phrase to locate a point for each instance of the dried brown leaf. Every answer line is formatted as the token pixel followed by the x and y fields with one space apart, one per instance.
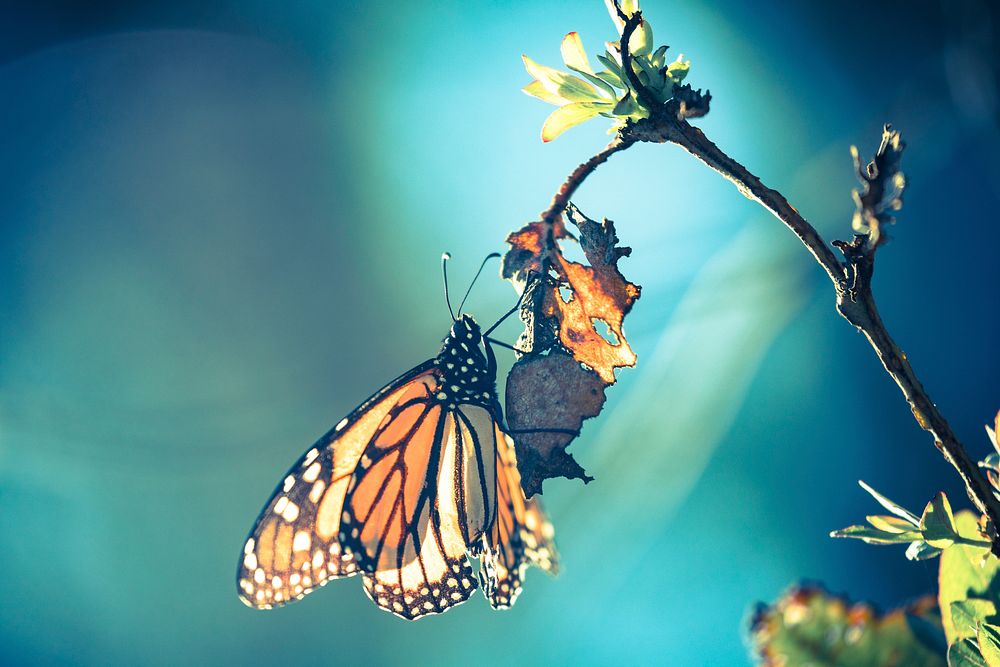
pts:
pixel 561 380
pixel 532 249
pixel 600 294
pixel 548 397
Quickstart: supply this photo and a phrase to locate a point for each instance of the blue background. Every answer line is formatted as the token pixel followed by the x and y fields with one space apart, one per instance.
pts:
pixel 220 226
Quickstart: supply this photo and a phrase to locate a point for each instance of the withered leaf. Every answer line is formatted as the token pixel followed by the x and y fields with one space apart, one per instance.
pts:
pixel 532 249
pixel 597 295
pixel 600 294
pixel 547 399
pixel 560 381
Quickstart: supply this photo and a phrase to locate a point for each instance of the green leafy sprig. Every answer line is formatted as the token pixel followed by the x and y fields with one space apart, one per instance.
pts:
pixel 927 535
pixel 587 93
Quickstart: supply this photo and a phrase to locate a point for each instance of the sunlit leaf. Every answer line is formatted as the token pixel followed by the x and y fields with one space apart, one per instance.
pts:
pixel 561 84
pixel 641 41
pixel 601 83
pixel 614 67
pixel 678 70
pixel 968 614
pixel 922 551
pixel 938 523
pixel 965 653
pixel 963 574
pixel 876 536
pixel 573 53
pixel 571 115
pixel 627 105
pixel 892 524
pixel 538 90
pixel 893 507
pixel 988 639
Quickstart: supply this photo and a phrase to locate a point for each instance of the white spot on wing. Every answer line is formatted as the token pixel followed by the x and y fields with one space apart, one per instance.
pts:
pixel 291 512
pixel 317 491
pixel 311 473
pixel 301 541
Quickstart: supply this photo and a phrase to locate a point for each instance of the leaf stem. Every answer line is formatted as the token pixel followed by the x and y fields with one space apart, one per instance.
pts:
pixel 580 174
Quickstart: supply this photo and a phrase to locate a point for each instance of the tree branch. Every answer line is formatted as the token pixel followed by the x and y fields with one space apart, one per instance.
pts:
pixel 852 284
pixel 666 128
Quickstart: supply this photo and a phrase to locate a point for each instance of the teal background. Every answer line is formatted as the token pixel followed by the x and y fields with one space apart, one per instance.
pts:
pixel 220 227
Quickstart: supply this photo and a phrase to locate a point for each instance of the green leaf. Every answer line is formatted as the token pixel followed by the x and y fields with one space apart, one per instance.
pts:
pixel 962 576
pixel 938 523
pixel 614 68
pixel 808 626
pixel 659 56
pixel 536 89
pixel 567 116
pixel 922 551
pixel 599 82
pixel 627 106
pixel 875 536
pixel 890 524
pixel 678 70
pixel 890 505
pixel 641 41
pixel 655 80
pixel 573 53
pixel 611 79
pixel 567 86
pixel 965 653
pixel 988 639
pixel 968 614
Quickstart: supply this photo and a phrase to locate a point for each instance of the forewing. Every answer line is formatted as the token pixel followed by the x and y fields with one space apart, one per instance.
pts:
pixel 294 546
pixel 423 496
pixel 521 536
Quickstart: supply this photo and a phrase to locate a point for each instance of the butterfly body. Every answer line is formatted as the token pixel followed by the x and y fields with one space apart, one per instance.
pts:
pixel 402 490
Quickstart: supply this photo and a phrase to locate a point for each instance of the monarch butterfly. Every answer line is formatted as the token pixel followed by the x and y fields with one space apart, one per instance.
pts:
pixel 403 490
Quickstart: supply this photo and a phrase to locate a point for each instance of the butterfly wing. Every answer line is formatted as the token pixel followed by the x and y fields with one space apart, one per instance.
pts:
pixel 294 546
pixel 521 536
pixel 424 494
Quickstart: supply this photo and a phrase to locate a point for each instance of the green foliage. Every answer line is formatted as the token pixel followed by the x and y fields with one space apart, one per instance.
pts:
pixel 927 536
pixel 968 590
pixel 587 93
pixel 808 626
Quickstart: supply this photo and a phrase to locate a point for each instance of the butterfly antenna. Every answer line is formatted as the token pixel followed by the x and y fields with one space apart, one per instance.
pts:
pixel 490 256
pixel 444 273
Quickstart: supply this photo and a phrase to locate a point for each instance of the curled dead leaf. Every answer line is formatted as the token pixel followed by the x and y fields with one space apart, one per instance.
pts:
pixel 548 397
pixel 570 359
pixel 532 249
pixel 600 296
pixel 596 296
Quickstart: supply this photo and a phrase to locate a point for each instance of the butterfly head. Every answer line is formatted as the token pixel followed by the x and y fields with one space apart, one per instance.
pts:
pixel 465 329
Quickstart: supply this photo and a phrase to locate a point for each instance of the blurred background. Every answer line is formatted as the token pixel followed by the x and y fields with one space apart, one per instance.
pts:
pixel 220 227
